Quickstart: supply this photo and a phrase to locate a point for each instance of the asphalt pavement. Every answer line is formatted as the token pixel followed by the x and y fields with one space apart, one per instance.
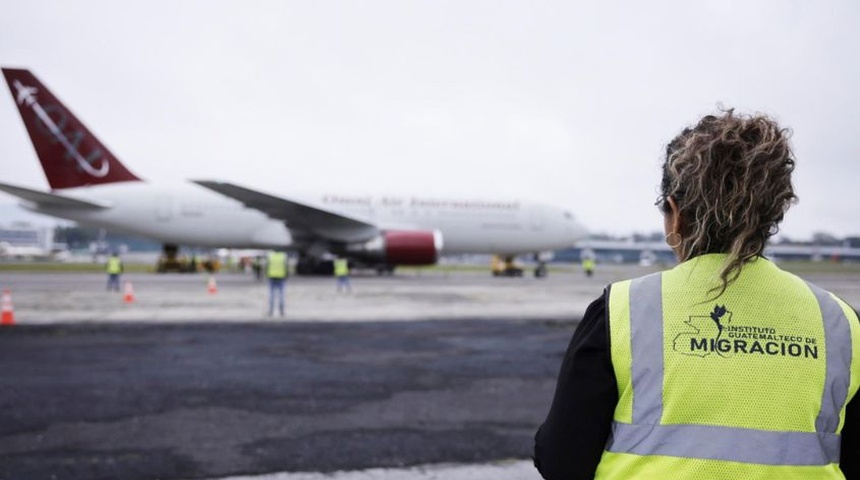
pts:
pixel 210 400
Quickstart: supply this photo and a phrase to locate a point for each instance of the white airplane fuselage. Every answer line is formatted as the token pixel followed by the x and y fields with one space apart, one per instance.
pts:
pixel 188 214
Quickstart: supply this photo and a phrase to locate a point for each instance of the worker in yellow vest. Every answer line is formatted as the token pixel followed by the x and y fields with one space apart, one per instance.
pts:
pixel 341 275
pixel 588 266
pixel 277 271
pixel 114 269
pixel 725 367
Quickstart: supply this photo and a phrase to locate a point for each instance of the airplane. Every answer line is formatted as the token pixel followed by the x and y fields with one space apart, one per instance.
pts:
pixel 89 185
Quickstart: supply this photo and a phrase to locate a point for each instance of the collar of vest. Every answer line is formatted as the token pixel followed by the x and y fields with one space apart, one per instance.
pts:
pixel 716 261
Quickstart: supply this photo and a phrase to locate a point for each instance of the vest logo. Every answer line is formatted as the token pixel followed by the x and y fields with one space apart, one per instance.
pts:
pixel 716 334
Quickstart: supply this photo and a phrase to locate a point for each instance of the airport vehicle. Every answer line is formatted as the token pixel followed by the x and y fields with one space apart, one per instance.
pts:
pixel 89 185
pixel 505 267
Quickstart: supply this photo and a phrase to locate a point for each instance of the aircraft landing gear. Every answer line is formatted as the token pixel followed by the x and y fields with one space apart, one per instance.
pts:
pixel 384 269
pixel 308 265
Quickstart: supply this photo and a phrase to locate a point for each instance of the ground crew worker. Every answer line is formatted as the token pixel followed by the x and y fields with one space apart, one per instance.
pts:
pixel 588 266
pixel 277 271
pixel 257 267
pixel 341 274
pixel 114 268
pixel 724 367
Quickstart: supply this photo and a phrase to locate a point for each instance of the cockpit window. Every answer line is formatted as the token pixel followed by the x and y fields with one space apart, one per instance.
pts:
pixel 568 215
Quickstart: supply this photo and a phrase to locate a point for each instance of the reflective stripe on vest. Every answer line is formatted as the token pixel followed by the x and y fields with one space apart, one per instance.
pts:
pixel 837 337
pixel 646 436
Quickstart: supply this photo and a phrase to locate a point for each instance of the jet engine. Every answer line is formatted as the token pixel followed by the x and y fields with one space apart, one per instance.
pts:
pixel 401 247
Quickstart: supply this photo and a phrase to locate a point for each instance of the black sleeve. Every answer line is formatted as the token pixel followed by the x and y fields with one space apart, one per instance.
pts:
pixel 571 440
pixel 849 462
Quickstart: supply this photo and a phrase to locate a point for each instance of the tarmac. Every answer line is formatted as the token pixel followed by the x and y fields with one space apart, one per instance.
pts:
pixel 50 298
pixel 417 376
pixel 82 298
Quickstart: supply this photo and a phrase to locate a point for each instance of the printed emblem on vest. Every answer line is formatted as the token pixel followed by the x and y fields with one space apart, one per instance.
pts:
pixel 715 333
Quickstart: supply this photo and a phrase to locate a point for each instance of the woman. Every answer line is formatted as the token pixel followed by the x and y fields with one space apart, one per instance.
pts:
pixel 724 367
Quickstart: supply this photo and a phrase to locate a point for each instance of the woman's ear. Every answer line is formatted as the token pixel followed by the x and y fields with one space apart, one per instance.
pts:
pixel 674 216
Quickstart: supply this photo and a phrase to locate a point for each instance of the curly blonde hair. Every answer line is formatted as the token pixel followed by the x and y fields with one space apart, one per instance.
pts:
pixel 730 176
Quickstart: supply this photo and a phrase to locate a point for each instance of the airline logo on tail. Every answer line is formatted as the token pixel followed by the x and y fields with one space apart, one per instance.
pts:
pixel 70 154
pixel 25 94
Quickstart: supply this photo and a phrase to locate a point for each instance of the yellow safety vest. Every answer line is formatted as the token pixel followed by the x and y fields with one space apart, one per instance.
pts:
pixel 277 267
pixel 114 265
pixel 750 385
pixel 341 267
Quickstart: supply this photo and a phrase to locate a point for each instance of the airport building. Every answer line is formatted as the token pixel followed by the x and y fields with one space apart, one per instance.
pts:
pixel 23 240
pixel 27 235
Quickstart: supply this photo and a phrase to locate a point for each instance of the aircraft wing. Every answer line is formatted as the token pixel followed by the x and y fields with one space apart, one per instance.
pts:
pixel 300 218
pixel 48 199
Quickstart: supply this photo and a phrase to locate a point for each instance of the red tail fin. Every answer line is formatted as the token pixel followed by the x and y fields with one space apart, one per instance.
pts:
pixel 71 156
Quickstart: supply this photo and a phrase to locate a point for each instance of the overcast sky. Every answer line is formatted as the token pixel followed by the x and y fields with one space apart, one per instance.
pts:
pixel 564 102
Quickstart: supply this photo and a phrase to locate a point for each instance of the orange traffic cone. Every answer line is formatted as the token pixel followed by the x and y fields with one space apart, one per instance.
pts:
pixel 129 293
pixel 211 286
pixel 8 315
